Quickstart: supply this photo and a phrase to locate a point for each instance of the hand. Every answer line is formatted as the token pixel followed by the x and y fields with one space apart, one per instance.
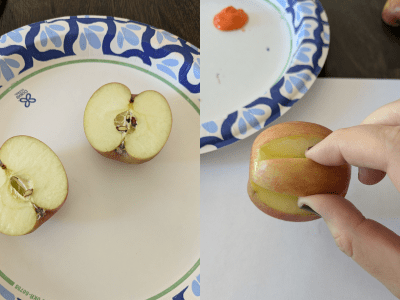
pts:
pixel 374 147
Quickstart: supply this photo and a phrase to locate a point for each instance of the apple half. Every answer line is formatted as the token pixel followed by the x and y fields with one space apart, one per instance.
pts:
pixel 280 172
pixel 33 185
pixel 127 127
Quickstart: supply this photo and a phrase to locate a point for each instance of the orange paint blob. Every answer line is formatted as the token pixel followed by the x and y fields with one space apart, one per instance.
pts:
pixel 230 18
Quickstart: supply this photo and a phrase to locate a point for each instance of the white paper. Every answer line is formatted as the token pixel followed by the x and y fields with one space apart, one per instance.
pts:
pixel 247 254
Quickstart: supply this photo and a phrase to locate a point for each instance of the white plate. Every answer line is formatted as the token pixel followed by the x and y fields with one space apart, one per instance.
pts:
pixel 252 76
pixel 125 231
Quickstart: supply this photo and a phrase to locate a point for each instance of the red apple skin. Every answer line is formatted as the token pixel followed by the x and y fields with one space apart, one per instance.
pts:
pixel 126 158
pixel 48 213
pixel 284 130
pixel 287 176
pixel 391 13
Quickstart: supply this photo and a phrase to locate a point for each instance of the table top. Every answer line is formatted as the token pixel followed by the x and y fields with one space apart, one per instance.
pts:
pixel 179 17
pixel 362 46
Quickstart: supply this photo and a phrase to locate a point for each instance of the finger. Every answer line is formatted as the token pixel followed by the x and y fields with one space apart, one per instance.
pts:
pixel 370 176
pixel 362 146
pixel 388 114
pixel 371 146
pixel 373 246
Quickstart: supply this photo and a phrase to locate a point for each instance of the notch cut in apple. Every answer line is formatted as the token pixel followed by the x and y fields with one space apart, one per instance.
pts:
pixel 127 127
pixel 280 172
pixel 33 185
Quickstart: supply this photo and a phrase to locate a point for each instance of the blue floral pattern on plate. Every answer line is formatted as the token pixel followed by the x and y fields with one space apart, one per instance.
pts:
pixel 85 36
pixel 311 34
pixel 44 43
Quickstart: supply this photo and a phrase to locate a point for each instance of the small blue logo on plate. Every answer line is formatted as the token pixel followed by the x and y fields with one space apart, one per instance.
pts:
pixel 25 97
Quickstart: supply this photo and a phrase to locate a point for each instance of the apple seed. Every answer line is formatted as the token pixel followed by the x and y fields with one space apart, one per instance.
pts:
pixel 133 122
pixel 3 166
pixel 20 187
pixel 122 128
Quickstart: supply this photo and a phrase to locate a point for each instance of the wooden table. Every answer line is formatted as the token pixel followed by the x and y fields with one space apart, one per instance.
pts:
pixel 361 45
pixel 179 17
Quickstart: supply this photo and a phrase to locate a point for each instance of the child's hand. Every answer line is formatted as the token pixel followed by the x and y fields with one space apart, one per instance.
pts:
pixel 374 147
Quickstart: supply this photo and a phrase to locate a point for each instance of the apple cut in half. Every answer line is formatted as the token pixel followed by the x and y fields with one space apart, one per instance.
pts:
pixel 126 127
pixel 33 185
pixel 280 171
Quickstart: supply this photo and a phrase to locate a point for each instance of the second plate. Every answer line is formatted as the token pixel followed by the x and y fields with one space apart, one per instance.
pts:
pixel 252 76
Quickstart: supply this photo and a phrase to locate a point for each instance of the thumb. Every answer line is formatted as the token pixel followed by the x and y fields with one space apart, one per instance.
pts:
pixel 370 244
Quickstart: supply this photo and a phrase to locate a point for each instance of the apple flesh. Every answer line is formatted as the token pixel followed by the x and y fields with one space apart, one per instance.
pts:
pixel 280 172
pixel 391 13
pixel 127 127
pixel 33 185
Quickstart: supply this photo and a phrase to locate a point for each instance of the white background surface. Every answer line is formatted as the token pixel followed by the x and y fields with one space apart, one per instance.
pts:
pixel 247 254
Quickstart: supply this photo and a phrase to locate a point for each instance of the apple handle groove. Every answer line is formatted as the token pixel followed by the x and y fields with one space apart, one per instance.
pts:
pixel 309 209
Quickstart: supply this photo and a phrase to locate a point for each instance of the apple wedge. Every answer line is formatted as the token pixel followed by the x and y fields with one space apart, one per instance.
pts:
pixel 126 127
pixel 280 172
pixel 33 185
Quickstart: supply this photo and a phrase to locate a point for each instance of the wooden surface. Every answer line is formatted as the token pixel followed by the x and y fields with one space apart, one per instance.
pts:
pixel 362 46
pixel 179 17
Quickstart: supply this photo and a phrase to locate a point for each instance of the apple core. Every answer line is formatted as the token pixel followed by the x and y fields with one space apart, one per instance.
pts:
pixel 20 186
pixel 125 122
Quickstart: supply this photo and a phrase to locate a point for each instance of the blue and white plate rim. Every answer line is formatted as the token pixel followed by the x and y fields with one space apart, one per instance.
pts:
pixel 290 88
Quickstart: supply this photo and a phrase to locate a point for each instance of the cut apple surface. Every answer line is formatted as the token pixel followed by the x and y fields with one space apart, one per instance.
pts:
pixel 280 172
pixel 33 185
pixel 126 127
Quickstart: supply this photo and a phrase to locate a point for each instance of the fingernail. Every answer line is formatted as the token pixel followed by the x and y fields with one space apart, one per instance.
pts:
pixel 308 149
pixel 309 209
